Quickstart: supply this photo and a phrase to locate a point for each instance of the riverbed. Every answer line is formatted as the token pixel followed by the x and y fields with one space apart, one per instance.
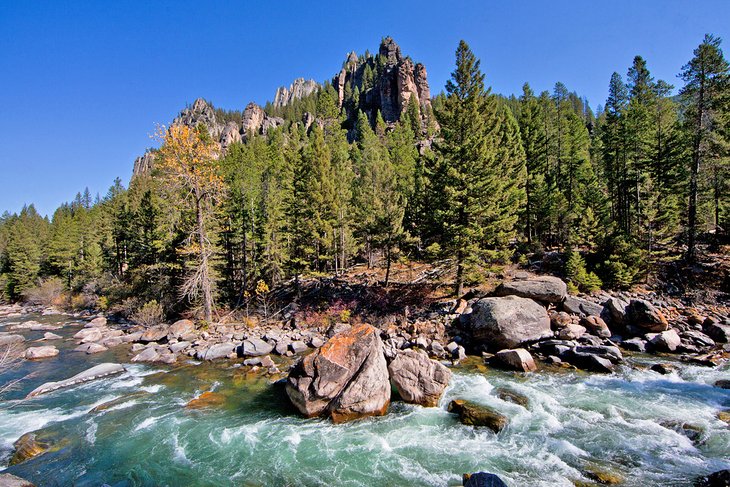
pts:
pixel 134 429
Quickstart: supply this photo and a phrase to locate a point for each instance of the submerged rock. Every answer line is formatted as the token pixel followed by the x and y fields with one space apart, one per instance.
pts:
pixel 474 414
pixel 417 378
pixel 347 378
pixel 515 397
pixel 10 339
pixel 482 479
pixel 206 400
pixel 509 321
pixel 27 447
pixel 544 288
pixel 97 372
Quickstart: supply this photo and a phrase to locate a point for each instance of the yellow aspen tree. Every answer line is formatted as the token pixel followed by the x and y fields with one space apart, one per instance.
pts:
pixel 188 161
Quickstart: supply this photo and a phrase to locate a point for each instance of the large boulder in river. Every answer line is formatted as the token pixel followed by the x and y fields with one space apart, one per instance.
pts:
pixel 27 447
pixel 417 378
pixel 508 322
pixel 544 288
pixel 482 479
pixel 347 378
pixel 96 372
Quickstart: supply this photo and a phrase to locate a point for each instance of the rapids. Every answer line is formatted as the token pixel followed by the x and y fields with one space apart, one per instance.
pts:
pixel 134 429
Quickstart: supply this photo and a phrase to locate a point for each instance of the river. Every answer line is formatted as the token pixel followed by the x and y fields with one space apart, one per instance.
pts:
pixel 145 435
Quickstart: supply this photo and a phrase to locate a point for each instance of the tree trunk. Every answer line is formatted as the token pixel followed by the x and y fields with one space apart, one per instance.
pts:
pixel 696 143
pixel 205 276
pixel 459 285
pixel 387 265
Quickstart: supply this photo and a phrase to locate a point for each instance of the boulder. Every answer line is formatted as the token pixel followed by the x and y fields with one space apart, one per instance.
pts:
pixel 98 321
pixel 180 329
pixel 507 322
pixel 634 344
pixel 97 372
pixel 95 348
pixel 581 307
pixel 516 359
pixel 666 341
pixel 723 384
pixel 663 369
pixel 34 353
pixel 596 326
pixel 646 316
pixel 544 288
pixel 218 351
pixel 298 347
pixel 571 332
pixel 474 414
pixel 255 347
pixel 716 330
pixel 347 378
pixel 559 320
pixel 89 335
pixel 609 352
pixel 179 346
pixel 417 378
pixel 615 310
pixel 148 354
pixel 51 336
pixel 482 479
pixel 154 334
pixel 8 480
pixel 588 361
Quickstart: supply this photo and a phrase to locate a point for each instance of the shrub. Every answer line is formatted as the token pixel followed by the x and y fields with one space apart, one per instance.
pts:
pixel 578 277
pixel 47 293
pixel 149 314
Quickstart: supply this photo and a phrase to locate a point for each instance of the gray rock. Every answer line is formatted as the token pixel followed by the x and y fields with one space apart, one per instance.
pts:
pixel 634 344
pixel 97 372
pixel 571 332
pixel 616 311
pixel 179 346
pixel 47 351
pixel 218 351
pixel 255 347
pixel 417 378
pixel 98 321
pixel 595 325
pixel 51 336
pixel 89 335
pixel 588 361
pixel 543 288
pixel 666 341
pixel 644 315
pixel 149 354
pixel 507 322
pixel 581 307
pixel 93 348
pixel 516 359
pixel 716 330
pixel 154 334
pixel 317 342
pixel 298 347
pixel 180 329
pixel 606 351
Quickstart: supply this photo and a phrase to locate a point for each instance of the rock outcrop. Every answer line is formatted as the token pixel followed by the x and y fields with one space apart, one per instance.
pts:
pixel 347 378
pixel 8 480
pixel 507 322
pixel 417 378
pixel 299 89
pixel 144 163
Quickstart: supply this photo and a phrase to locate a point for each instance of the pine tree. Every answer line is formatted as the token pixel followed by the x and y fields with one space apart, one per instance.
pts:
pixel 472 168
pixel 705 96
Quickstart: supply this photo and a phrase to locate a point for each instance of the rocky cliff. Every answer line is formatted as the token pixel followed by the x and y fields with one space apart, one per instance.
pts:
pixel 296 91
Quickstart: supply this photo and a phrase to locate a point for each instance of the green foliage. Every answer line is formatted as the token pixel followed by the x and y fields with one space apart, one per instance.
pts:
pixel 577 275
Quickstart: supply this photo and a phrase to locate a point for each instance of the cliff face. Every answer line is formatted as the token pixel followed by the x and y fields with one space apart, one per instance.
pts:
pixel 296 91
pixel 253 121
pixel 384 83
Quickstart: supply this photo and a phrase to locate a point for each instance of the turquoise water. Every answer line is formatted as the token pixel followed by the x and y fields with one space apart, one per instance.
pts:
pixel 147 435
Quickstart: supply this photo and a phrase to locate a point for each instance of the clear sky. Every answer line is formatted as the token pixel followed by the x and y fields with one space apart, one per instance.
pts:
pixel 83 83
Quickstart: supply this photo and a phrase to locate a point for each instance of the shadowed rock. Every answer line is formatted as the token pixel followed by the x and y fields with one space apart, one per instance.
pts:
pixel 473 414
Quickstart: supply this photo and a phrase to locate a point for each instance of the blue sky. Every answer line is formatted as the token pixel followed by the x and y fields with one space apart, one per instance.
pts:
pixel 83 83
